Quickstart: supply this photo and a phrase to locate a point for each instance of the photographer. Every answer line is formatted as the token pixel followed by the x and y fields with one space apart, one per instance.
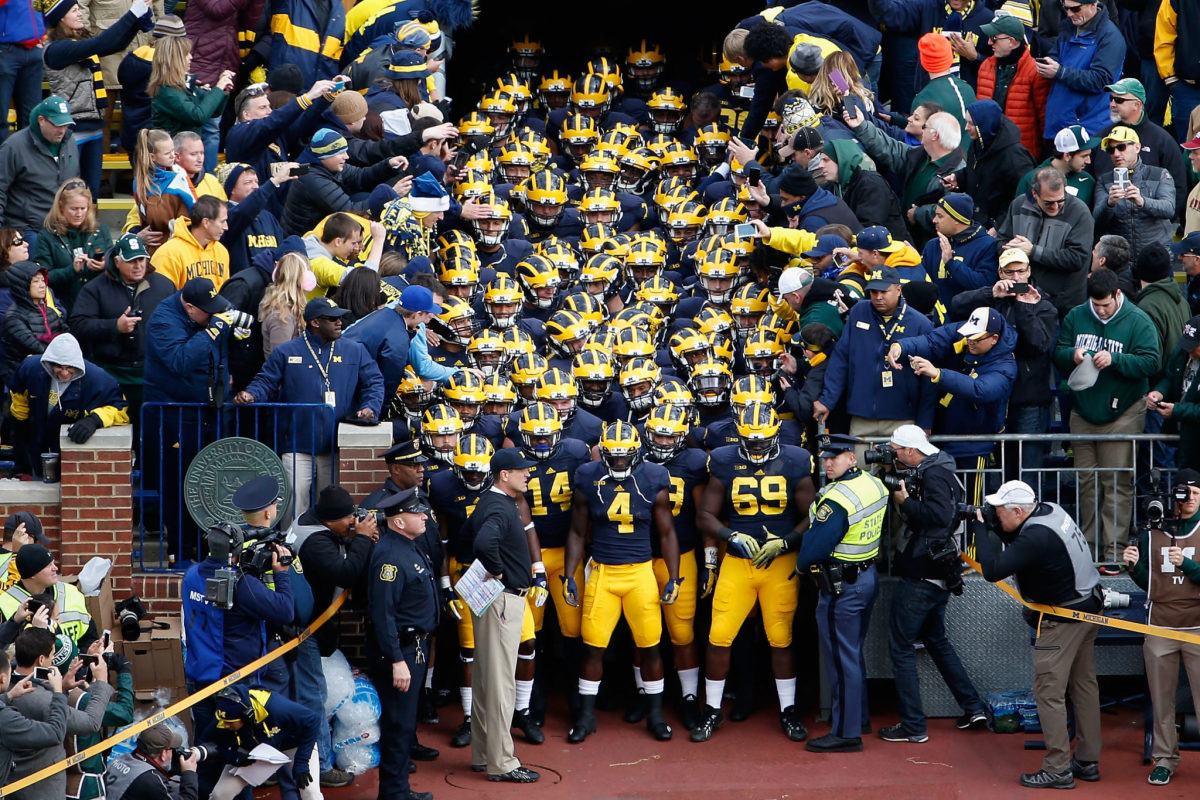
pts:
pixel 145 774
pixel 927 493
pixel 336 554
pixel 226 631
pixel 1171 576
pixel 1045 552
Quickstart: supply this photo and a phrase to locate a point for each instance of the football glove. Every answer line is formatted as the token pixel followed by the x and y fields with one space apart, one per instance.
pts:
pixel 671 591
pixel 768 551
pixel 570 590
pixel 708 574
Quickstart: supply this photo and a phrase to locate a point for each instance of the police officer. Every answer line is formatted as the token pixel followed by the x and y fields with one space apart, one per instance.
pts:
pixel 39 573
pixel 1047 554
pixel 839 549
pixel 929 568
pixel 502 547
pixel 402 611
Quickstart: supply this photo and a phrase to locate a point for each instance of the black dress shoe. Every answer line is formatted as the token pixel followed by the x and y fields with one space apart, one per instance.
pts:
pixel 420 752
pixel 523 722
pixel 462 736
pixel 518 775
pixel 830 743
pixel 479 768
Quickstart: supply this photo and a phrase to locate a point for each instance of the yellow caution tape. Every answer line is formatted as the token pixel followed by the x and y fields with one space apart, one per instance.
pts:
pixel 1085 616
pixel 182 705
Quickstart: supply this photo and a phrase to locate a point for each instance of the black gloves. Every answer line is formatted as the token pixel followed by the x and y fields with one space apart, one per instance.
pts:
pixel 117 662
pixel 303 779
pixel 82 430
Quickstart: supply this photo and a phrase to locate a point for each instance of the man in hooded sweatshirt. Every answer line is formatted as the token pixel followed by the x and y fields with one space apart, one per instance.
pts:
pixel 59 387
pixel 194 249
pixel 864 190
pixel 995 163
pixel 34 162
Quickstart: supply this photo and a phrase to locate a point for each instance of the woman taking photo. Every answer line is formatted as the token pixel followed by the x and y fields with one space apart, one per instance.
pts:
pixel 161 192
pixel 33 319
pixel 72 65
pixel 72 244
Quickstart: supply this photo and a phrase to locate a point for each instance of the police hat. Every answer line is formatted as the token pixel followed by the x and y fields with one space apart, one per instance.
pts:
pixel 405 501
pixel 405 453
pixel 256 494
pixel 834 444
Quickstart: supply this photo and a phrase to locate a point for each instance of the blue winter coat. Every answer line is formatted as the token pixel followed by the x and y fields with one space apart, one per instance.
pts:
pixel 385 336
pixel 296 28
pixel 283 724
pixel 973 266
pixel 857 365
pixel 253 228
pixel 1091 59
pixel 975 389
pixel 182 360
pixel 291 376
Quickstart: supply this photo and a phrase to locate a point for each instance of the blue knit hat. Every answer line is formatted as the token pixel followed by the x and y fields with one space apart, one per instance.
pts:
pixel 959 206
pixel 406 65
pixel 428 194
pixel 327 143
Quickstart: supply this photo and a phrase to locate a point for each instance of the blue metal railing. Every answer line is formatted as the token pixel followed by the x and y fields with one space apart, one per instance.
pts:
pixel 167 539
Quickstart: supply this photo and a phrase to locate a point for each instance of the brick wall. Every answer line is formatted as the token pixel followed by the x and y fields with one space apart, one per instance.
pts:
pixel 97 506
pixel 43 499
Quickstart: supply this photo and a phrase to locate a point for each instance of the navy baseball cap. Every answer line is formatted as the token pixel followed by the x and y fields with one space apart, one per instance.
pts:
pixel 1188 244
pixel 825 245
pixel 320 307
pixel 202 293
pixel 882 279
pixel 510 458
pixel 878 238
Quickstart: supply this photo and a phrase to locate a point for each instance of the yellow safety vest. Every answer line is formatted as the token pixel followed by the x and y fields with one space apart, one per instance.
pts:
pixel 8 571
pixel 73 617
pixel 864 499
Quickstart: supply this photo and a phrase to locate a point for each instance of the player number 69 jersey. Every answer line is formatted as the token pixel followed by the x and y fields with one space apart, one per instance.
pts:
pixel 759 496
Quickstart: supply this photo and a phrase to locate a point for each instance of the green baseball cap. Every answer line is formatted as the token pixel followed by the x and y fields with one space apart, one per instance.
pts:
pixel 1130 86
pixel 1004 25
pixel 130 247
pixel 55 110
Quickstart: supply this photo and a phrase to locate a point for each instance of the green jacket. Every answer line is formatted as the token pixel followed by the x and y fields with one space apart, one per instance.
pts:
pixel 1080 184
pixel 56 254
pixel 953 94
pixel 1130 336
pixel 118 713
pixel 1164 304
pixel 175 110
pixel 1186 414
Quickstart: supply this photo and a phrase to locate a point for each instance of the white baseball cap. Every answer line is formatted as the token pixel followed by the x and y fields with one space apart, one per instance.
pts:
pixel 794 279
pixel 912 436
pixel 1011 493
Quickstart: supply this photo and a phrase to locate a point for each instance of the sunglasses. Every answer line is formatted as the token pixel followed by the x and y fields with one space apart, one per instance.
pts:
pixel 1071 9
pixel 1049 202
pixel 1117 148
pixel 1120 100
pixel 17 242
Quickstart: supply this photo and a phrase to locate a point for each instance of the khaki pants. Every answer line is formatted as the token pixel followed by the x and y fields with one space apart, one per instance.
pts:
pixel 1106 494
pixel 1162 678
pixel 300 469
pixel 863 427
pixel 1064 663
pixel 497 637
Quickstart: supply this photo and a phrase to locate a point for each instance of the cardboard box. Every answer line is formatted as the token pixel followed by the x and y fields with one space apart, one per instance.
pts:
pixel 157 657
pixel 101 607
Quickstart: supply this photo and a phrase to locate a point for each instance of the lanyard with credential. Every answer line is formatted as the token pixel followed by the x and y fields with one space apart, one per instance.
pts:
pixel 324 370
pixel 896 320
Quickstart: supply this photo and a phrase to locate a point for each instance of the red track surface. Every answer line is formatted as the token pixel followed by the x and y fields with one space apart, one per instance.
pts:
pixel 753 760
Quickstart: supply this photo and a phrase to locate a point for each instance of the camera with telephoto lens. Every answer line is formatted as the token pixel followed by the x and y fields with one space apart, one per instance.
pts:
pixel 900 474
pixel 257 556
pixel 882 453
pixel 202 754
pixel 361 514
pixel 944 555
pixel 1160 507
pixel 963 511
pixel 131 612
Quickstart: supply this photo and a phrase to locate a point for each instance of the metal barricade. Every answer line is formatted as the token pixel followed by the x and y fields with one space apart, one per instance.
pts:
pixel 1107 492
pixel 172 434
